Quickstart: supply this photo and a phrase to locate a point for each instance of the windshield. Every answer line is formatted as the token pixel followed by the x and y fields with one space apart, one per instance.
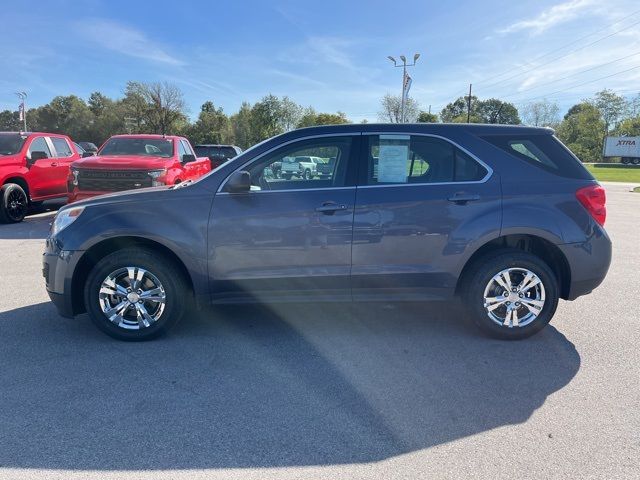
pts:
pixel 150 147
pixel 11 143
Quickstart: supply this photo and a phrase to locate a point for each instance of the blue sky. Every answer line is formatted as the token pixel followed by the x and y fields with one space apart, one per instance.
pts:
pixel 329 54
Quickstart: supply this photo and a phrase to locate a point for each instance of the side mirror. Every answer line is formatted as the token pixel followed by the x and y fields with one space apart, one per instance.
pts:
pixel 87 154
pixel 187 157
pixel 239 182
pixel 35 156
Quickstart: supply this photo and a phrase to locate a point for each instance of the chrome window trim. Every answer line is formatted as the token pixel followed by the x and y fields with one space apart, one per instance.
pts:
pixel 440 137
pixel 253 192
pixel 271 150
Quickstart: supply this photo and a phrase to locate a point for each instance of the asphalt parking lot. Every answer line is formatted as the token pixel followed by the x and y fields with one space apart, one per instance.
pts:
pixel 322 391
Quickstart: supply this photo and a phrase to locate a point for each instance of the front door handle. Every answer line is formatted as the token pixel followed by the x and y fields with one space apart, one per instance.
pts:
pixel 54 164
pixel 329 208
pixel 462 198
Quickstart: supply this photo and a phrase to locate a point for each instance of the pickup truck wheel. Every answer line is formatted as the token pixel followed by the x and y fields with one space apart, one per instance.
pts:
pixel 307 174
pixel 511 294
pixel 13 203
pixel 134 295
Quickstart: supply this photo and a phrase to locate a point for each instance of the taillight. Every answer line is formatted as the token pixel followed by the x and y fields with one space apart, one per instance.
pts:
pixel 593 198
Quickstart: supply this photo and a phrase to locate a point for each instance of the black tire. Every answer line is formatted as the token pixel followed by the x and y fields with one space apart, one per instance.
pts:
pixel 625 161
pixel 635 161
pixel 307 174
pixel 481 274
pixel 14 203
pixel 177 300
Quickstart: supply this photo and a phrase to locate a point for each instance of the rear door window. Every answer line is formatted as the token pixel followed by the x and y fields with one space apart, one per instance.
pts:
pixel 542 150
pixel 398 159
pixel 62 147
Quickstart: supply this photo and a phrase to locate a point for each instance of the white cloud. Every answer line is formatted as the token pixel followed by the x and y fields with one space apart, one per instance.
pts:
pixel 125 40
pixel 561 13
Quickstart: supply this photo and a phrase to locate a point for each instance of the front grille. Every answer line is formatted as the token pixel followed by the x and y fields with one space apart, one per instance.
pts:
pixel 112 180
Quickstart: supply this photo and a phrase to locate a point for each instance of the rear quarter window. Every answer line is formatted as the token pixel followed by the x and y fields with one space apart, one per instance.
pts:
pixel 544 151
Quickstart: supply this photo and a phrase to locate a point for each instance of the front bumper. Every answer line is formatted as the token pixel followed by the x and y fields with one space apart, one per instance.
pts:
pixel 57 269
pixel 75 196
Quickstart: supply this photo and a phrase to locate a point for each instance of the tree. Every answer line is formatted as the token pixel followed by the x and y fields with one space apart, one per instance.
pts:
pixel 582 131
pixel 266 118
pixel 212 126
pixel 497 111
pixel 629 127
pixel 541 114
pixel 392 109
pixel 165 106
pixel 426 117
pixel 456 111
pixel 64 114
pixel 241 126
pixel 612 107
pixel 311 118
pixel 290 114
pixel 10 121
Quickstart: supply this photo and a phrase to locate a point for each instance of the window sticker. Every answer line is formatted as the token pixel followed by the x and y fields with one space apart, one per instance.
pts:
pixel 393 159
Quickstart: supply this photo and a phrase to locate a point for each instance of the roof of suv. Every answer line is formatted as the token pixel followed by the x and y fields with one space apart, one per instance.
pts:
pixel 439 128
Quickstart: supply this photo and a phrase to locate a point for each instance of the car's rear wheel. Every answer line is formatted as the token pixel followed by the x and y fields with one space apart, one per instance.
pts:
pixel 14 203
pixel 307 174
pixel 135 294
pixel 511 294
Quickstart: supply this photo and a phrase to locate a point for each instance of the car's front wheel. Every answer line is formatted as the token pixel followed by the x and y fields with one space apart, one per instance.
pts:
pixel 511 294
pixel 14 203
pixel 135 294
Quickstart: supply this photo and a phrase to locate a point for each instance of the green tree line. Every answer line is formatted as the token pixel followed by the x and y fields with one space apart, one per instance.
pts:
pixel 160 108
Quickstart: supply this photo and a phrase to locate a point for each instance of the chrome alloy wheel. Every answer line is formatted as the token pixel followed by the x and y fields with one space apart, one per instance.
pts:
pixel 132 298
pixel 514 297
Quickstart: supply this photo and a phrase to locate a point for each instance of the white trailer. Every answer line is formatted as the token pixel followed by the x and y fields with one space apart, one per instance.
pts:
pixel 627 148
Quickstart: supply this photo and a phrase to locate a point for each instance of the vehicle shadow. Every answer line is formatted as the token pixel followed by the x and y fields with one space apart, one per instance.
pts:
pixel 263 386
pixel 35 225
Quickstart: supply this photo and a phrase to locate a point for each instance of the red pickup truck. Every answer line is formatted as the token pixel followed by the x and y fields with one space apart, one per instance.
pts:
pixel 33 167
pixel 127 162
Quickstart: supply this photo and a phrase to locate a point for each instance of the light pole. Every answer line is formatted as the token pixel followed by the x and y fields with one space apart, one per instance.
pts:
pixel 23 111
pixel 403 96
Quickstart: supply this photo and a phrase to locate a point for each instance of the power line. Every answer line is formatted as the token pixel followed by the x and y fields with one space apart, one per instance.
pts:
pixel 579 85
pixel 562 56
pixel 569 76
pixel 564 46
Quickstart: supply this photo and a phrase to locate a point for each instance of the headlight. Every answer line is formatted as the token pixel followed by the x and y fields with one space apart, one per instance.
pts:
pixel 65 218
pixel 74 174
pixel 156 179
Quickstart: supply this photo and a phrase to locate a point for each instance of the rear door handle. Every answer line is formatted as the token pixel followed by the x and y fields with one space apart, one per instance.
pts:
pixel 462 198
pixel 329 208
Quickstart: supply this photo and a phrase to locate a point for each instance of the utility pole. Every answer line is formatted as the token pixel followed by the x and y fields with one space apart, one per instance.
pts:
pixel 405 90
pixel 22 109
pixel 469 106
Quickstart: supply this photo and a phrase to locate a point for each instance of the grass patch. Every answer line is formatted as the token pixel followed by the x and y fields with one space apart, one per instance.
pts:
pixel 604 174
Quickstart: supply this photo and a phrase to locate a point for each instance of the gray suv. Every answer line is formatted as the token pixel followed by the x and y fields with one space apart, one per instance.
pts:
pixel 506 219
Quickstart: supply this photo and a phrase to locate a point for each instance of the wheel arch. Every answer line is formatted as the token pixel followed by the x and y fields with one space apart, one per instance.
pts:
pixel 19 181
pixel 105 247
pixel 536 245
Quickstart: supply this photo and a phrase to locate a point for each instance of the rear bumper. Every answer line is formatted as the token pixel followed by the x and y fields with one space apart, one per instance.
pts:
pixel 588 262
